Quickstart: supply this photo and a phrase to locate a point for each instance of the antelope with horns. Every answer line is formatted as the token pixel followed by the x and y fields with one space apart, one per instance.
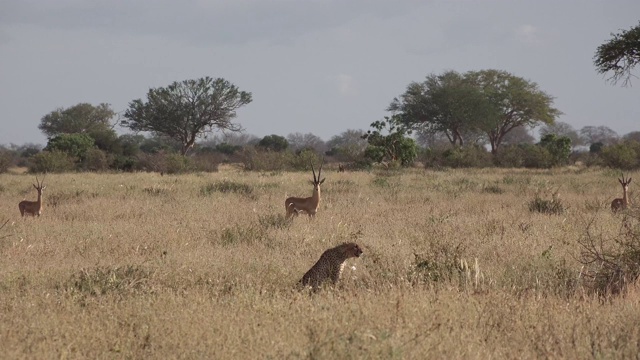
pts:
pixel 33 208
pixel 309 204
pixel 622 203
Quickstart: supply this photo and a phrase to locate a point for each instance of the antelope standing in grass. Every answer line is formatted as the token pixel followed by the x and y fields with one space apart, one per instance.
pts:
pixel 309 204
pixel 622 203
pixel 33 208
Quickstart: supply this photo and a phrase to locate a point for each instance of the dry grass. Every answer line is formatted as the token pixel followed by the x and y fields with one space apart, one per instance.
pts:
pixel 204 266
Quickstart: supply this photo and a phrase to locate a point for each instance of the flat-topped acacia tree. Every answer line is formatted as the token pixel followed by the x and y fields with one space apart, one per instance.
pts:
pixel 187 110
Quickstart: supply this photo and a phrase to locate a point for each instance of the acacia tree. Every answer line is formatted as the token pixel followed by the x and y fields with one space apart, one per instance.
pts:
pixel 619 55
pixel 187 110
pixel 492 102
pixel 447 104
pixel 82 118
pixel 515 101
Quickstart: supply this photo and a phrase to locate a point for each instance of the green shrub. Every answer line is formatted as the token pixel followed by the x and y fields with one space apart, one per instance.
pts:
pixel 559 147
pixel 75 145
pixel 302 161
pixel 51 161
pixel 5 160
pixel 177 164
pixel 536 157
pixel 621 156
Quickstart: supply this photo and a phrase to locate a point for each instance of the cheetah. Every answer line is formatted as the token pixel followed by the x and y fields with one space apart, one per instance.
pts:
pixel 330 265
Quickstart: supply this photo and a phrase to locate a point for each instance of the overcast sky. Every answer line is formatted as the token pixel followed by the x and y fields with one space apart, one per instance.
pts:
pixel 319 66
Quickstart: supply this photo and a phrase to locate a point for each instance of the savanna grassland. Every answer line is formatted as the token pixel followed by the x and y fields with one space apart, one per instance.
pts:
pixel 455 265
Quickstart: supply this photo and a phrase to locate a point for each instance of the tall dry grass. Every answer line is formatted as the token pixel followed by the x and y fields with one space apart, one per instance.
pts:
pixel 455 265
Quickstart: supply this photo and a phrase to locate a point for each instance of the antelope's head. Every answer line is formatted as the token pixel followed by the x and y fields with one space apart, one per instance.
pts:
pixel 316 180
pixel 40 185
pixel 625 183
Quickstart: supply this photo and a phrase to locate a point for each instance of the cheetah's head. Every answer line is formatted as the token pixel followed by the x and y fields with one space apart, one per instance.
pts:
pixel 352 250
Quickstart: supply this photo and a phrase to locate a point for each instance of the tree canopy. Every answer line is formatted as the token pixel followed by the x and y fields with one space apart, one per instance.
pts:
pixel 619 55
pixel 82 118
pixel 448 104
pixel 491 102
pixel 187 110
pixel 394 147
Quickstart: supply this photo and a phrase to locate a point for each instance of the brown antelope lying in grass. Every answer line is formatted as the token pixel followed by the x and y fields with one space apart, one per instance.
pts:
pixel 33 208
pixel 622 203
pixel 309 204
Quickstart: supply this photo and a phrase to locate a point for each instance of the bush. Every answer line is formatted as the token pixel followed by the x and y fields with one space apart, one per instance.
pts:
pixel 303 160
pixel 510 156
pixel 95 160
pixel 178 164
pixel 255 160
pixel 466 157
pixel 206 162
pixel 51 161
pixel 5 160
pixel 611 263
pixel 125 163
pixel 75 145
pixel 621 156
pixel 536 157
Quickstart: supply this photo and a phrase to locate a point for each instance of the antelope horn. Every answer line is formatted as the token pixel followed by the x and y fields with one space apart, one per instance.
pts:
pixel 320 169
pixel 314 173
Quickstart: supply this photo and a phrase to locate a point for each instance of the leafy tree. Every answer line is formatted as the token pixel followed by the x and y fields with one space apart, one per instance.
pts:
pixel 395 147
pixel 74 145
pixel 558 146
pixel 130 143
pixel 187 110
pixel 349 145
pixel 82 118
pixel 516 102
pixel 274 143
pixel 447 104
pixel 619 55
pixel 602 134
pixel 561 129
pixel 492 102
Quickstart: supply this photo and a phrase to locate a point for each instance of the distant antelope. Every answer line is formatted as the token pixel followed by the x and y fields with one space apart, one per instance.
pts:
pixel 622 203
pixel 309 204
pixel 340 168
pixel 33 208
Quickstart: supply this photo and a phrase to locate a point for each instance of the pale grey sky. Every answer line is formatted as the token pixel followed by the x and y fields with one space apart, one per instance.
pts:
pixel 319 66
